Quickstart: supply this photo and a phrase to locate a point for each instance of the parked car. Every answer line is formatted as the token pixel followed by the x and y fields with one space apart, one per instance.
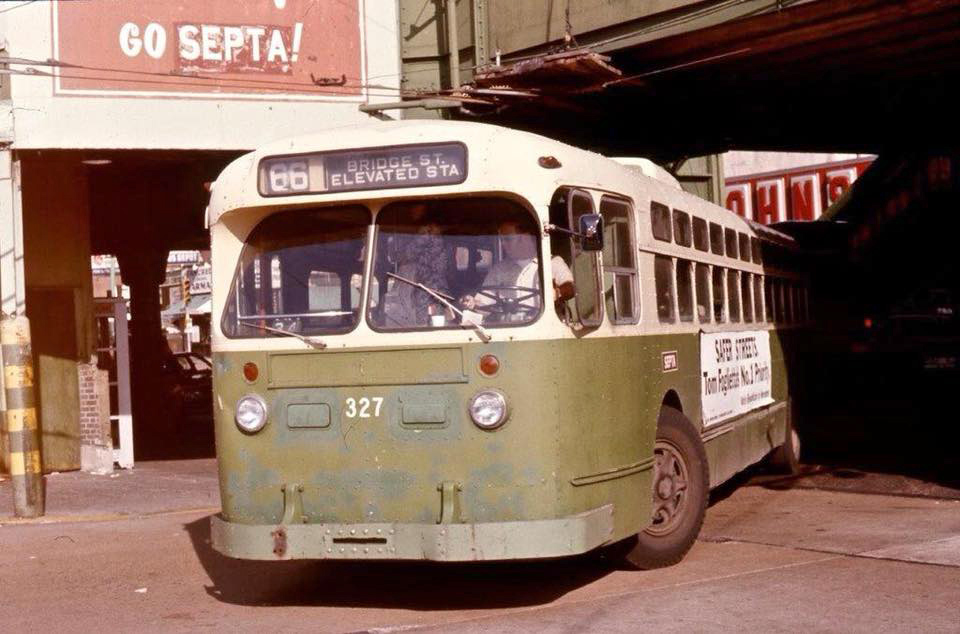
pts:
pixel 188 382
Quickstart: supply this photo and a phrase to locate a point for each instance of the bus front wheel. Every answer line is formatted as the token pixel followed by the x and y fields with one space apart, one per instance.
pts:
pixel 681 487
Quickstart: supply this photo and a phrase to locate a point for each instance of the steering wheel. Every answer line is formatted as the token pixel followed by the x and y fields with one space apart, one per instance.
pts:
pixel 509 300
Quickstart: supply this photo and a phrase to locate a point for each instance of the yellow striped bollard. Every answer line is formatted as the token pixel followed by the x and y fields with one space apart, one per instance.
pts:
pixel 21 417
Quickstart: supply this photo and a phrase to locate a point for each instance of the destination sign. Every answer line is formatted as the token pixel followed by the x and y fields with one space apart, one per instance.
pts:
pixel 358 170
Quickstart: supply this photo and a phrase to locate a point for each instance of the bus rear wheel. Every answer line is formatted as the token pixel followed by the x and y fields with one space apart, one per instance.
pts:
pixel 681 487
pixel 785 459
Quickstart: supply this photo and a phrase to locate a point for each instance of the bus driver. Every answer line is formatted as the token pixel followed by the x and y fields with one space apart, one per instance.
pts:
pixel 515 278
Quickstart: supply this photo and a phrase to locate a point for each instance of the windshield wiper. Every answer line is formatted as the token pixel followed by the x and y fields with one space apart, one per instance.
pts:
pixel 310 341
pixel 445 300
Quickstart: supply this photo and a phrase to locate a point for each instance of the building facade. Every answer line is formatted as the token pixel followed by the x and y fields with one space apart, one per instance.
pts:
pixel 771 187
pixel 113 116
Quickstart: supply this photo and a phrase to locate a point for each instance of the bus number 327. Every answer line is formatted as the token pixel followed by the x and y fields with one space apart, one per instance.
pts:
pixel 360 408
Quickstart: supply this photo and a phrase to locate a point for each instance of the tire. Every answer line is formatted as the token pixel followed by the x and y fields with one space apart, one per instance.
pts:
pixel 785 459
pixel 680 457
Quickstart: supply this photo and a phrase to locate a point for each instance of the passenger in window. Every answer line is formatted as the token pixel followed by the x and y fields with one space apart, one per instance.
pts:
pixel 511 289
pixel 564 290
pixel 421 258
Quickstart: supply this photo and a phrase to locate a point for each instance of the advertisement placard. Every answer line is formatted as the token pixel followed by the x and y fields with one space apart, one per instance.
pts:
pixel 736 374
pixel 164 47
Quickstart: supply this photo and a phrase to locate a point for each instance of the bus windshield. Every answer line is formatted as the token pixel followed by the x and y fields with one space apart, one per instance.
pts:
pixel 300 272
pixel 479 254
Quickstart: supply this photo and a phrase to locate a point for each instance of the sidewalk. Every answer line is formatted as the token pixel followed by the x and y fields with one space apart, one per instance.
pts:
pixel 147 489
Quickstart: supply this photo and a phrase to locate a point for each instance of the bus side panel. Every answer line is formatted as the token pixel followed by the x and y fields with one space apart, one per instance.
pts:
pixel 736 444
pixel 745 441
pixel 610 394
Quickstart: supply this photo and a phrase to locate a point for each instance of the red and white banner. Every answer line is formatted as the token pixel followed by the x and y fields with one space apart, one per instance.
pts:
pixel 803 193
pixel 255 47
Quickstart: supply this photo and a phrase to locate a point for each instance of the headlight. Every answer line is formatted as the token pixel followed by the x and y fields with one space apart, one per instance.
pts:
pixel 488 409
pixel 251 413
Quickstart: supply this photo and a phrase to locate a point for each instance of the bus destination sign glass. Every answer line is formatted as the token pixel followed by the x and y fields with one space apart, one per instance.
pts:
pixel 358 170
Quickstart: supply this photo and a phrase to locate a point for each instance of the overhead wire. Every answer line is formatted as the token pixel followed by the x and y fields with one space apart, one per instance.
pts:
pixel 660 26
pixel 20 61
pixel 19 6
pixel 652 29
pixel 370 89
pixel 774 5
pixel 304 88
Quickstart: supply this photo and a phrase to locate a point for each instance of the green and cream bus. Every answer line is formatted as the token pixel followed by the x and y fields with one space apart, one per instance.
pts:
pixel 452 341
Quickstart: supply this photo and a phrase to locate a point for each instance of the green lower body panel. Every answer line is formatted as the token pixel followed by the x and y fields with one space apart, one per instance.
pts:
pixel 487 541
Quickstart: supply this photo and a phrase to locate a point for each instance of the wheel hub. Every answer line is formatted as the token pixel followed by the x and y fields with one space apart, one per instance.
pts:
pixel 664 487
pixel 670 488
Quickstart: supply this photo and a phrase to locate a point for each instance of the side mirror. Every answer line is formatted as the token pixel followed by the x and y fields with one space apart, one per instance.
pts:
pixel 591 232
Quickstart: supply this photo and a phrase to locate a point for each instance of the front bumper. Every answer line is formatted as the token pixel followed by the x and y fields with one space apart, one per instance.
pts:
pixel 436 542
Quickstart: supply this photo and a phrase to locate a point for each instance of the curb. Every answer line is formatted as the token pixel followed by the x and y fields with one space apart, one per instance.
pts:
pixel 101 517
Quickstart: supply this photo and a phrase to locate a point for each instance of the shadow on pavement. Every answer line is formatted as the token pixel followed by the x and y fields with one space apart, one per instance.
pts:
pixel 406 585
pixel 872 473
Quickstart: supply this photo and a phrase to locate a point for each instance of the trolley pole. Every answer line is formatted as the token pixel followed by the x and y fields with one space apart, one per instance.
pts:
pixel 21 417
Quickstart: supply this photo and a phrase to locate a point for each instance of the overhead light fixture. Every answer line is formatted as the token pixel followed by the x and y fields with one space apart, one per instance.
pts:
pixel 101 161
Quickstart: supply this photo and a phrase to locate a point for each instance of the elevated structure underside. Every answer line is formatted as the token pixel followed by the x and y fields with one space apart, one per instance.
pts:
pixel 702 77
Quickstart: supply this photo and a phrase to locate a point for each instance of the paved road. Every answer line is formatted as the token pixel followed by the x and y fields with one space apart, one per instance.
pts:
pixel 776 560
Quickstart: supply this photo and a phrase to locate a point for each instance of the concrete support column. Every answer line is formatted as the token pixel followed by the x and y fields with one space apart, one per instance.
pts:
pixel 144 271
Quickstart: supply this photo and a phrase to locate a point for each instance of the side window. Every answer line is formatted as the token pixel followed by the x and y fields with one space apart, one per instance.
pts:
pixel 744 247
pixel 586 272
pixel 733 294
pixel 730 240
pixel 755 248
pixel 716 238
pixel 619 261
pixel 758 297
pixel 746 293
pixel 703 293
pixel 719 292
pixel 701 241
pixel 685 289
pixel 778 301
pixel 663 281
pixel 681 228
pixel 787 301
pixel 660 221
pixel 768 297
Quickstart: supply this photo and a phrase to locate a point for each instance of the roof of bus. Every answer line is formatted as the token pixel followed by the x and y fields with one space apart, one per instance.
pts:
pixel 236 187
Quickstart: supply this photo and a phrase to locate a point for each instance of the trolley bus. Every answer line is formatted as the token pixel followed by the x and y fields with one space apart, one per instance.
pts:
pixel 453 341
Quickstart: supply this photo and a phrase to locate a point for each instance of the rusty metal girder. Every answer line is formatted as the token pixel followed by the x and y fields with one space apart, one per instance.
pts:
pixel 574 71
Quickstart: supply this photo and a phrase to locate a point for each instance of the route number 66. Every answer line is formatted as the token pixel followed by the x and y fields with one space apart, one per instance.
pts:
pixel 360 408
pixel 292 176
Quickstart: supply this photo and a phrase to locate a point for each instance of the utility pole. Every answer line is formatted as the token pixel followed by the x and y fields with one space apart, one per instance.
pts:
pixel 20 418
